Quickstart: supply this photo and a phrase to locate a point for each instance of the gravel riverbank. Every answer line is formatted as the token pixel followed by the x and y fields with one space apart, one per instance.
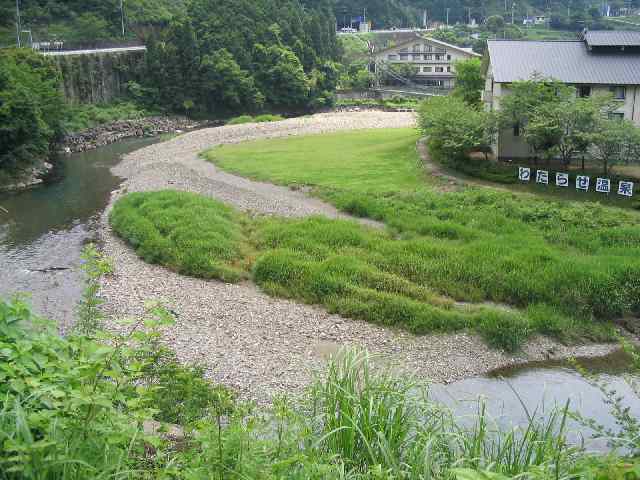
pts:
pixel 257 344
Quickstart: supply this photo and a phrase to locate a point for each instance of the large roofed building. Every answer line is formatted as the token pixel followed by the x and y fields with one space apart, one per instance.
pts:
pixel 433 59
pixel 599 62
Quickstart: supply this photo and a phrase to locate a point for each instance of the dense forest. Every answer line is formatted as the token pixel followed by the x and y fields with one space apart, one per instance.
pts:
pixel 409 13
pixel 243 55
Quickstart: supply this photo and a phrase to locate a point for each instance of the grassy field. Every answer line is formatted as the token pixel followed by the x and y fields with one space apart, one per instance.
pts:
pixel 367 160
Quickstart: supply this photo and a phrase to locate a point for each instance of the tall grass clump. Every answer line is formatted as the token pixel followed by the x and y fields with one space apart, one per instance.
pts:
pixel 374 420
pixel 188 233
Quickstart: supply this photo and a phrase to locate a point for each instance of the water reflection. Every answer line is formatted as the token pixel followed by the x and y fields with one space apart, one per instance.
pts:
pixel 538 389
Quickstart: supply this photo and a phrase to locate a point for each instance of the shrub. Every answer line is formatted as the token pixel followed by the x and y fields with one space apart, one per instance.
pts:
pixel 454 128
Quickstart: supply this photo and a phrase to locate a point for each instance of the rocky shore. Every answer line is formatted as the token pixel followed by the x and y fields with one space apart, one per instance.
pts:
pixel 115 131
pixel 257 344
pixel 30 178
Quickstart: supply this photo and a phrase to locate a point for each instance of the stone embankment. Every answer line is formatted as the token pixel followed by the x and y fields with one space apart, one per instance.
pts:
pixel 106 134
pixel 257 344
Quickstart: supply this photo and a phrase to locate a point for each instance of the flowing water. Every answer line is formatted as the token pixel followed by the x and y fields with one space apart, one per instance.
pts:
pixel 42 235
pixel 43 230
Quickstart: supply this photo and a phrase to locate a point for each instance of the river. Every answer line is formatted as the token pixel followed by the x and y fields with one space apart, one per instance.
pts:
pixel 42 235
pixel 44 229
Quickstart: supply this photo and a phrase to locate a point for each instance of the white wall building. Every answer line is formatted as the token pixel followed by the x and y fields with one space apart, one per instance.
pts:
pixel 602 62
pixel 432 58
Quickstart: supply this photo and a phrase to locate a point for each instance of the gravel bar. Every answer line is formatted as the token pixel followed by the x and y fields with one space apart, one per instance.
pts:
pixel 256 344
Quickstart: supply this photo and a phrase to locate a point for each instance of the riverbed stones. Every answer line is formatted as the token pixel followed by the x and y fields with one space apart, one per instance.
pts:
pixel 257 344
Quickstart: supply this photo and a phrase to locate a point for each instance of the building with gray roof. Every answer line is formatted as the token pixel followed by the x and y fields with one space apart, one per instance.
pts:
pixel 598 62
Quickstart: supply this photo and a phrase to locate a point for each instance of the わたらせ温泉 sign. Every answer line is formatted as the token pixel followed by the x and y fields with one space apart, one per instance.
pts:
pixel 582 182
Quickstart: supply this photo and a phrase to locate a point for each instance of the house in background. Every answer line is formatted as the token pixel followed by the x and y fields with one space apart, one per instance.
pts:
pixel 433 59
pixel 600 62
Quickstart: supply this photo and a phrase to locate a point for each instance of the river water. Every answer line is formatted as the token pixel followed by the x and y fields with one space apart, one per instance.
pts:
pixel 42 235
pixel 44 229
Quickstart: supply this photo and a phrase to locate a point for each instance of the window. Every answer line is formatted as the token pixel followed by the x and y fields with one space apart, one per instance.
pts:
pixel 439 69
pixel 448 57
pixel 428 57
pixel 448 69
pixel 427 69
pixel 584 91
pixel 392 57
pixel 438 57
pixel 416 47
pixel 616 116
pixel 619 92
pixel 516 130
pixel 427 48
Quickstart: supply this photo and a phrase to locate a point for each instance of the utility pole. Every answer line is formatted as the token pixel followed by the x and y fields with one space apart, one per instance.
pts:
pixel 448 17
pixel 513 13
pixel 122 16
pixel 469 10
pixel 18 26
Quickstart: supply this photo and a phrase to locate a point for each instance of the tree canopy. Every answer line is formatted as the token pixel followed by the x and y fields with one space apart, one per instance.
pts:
pixel 31 107
pixel 244 54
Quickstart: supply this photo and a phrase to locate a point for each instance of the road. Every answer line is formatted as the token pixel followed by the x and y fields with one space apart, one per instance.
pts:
pixel 94 51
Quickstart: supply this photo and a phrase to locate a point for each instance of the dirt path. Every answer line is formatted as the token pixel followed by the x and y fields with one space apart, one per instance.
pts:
pixel 257 344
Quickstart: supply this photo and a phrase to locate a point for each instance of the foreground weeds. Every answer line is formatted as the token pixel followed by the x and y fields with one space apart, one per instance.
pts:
pixel 76 408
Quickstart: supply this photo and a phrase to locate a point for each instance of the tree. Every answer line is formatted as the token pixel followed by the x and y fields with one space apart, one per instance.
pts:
pixel 225 85
pixel 31 107
pixel 565 127
pixel 469 80
pixel 454 128
pixel 526 96
pixel 279 74
pixel 615 142
pixel 495 23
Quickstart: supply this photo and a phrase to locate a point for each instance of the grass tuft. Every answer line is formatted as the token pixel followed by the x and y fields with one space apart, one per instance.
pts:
pixel 185 232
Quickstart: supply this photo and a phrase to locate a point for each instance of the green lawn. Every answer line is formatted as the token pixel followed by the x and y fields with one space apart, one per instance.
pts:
pixel 366 160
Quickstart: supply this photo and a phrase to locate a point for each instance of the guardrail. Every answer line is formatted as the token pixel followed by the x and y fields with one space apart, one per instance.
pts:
pixel 64 46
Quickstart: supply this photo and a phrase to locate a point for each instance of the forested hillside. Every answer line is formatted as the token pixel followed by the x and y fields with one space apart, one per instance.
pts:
pixel 407 13
pixel 84 20
pixel 243 55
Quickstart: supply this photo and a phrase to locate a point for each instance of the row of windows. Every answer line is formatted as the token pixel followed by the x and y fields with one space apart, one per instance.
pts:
pixel 437 69
pixel 427 56
pixel 426 48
